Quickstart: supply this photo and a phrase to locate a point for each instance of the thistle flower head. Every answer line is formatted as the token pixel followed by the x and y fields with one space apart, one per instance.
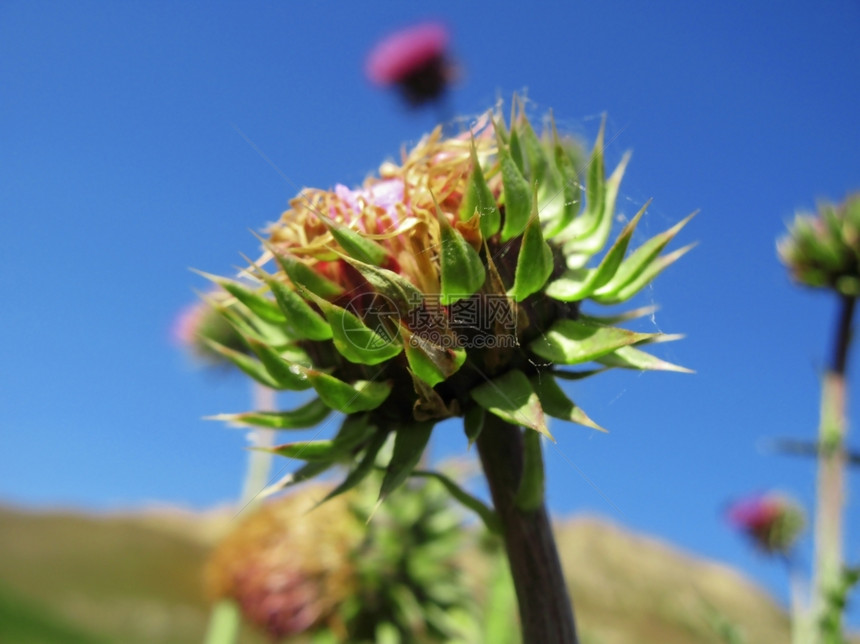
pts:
pixel 293 568
pixel 451 284
pixel 823 250
pixel 773 522
pixel 288 574
pixel 414 60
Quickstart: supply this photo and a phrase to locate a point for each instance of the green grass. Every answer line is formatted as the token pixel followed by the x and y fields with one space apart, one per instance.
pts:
pixel 24 621
pixel 112 578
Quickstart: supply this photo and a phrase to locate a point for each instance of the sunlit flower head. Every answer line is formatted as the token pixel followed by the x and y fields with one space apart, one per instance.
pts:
pixel 449 284
pixel 397 210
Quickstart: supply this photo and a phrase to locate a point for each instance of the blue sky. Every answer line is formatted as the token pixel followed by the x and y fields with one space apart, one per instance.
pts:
pixel 123 166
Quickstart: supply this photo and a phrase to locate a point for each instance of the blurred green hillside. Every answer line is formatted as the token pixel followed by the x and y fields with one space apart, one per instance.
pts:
pixel 87 579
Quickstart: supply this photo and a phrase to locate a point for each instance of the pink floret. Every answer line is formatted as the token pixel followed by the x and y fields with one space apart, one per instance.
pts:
pixel 405 52
pixel 385 194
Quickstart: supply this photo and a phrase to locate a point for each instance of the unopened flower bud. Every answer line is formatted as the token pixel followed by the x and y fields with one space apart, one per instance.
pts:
pixel 773 522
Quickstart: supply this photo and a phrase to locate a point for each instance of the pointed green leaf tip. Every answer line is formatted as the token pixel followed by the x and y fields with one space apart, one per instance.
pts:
pixel 319 451
pixel 355 244
pixel 511 398
pixel 556 403
pixel 248 325
pixel 515 146
pixel 356 341
pixel 645 277
pixel 409 444
pixel 577 341
pixel 304 276
pixel 589 232
pixel 580 284
pixel 303 322
pixel 256 369
pixel 640 259
pixel 403 294
pixel 354 431
pixel 595 187
pixel 538 163
pixel 633 358
pixel 565 206
pixel 307 415
pixel 260 306
pixel 473 423
pixel 305 472
pixel 429 361
pixel 535 262
pixel 517 192
pixel 462 270
pixel 285 373
pixel 362 395
pixel 362 469
pixel 480 199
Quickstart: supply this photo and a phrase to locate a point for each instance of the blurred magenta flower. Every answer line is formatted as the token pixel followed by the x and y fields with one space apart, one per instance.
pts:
pixel 289 571
pixel 414 60
pixel 331 573
pixel 198 325
pixel 772 521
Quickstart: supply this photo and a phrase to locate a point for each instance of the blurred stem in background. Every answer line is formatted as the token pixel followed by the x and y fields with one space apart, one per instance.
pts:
pixel 259 462
pixel 225 621
pixel 799 599
pixel 830 498
pixel 821 251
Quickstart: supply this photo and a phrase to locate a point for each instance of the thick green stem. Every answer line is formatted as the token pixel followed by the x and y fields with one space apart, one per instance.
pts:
pixel 546 613
pixel 830 499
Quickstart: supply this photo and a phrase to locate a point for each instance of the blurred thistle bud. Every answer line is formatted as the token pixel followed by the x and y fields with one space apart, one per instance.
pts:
pixel 288 565
pixel 773 522
pixel 202 331
pixel 449 285
pixel 348 566
pixel 413 60
pixel 411 580
pixel 823 250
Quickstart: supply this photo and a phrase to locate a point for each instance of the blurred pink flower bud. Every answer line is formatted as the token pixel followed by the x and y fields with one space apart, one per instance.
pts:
pixel 773 521
pixel 413 60
pixel 199 324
